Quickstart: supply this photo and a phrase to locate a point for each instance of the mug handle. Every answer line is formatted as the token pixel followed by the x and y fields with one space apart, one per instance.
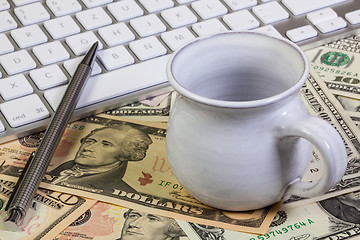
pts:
pixel 332 149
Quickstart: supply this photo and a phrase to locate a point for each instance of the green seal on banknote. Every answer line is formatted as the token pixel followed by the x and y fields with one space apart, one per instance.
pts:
pixel 335 59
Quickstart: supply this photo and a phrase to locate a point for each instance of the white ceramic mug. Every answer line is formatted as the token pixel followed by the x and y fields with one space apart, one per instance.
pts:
pixel 239 137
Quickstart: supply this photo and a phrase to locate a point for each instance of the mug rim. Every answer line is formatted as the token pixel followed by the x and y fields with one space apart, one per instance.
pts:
pixel 238 104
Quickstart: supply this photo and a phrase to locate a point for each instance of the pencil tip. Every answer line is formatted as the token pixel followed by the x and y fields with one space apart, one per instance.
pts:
pixel 90 55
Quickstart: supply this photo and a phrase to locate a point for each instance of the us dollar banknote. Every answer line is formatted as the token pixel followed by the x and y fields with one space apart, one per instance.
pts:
pixel 334 218
pixel 105 221
pixel 50 213
pixel 123 162
pixel 320 102
pixel 156 109
pixel 338 66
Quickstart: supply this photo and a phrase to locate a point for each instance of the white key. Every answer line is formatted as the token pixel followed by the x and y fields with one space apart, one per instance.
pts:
pixel 23 2
pixel 17 62
pixel 301 33
pixel 353 17
pixel 321 15
pixel 7 22
pixel 72 64
pixel 209 8
pixel 269 30
pixel 32 13
pixel 208 27
pixel 116 34
pixel 184 1
pixel 61 27
pixel 28 36
pixel 5 44
pixel 241 20
pixel 63 7
pixel 125 9
pixel 95 3
pixel 270 12
pixel 15 87
pixel 49 53
pixel 48 77
pixel 119 82
pixel 24 110
pixel 331 25
pixel 177 38
pixel 2 127
pixel 179 16
pixel 93 18
pixel 115 57
pixel 298 7
pixel 236 5
pixel 156 5
pixel 4 4
pixel 147 25
pixel 81 43
pixel 147 48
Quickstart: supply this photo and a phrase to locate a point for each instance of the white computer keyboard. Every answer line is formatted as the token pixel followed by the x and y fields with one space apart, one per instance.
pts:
pixel 41 43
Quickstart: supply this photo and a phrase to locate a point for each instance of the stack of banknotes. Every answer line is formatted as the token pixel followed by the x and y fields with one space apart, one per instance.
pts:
pixel 140 198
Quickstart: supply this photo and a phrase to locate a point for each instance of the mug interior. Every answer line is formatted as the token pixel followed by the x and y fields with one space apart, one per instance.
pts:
pixel 238 67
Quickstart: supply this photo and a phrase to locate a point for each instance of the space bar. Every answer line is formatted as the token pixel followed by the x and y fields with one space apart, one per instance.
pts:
pixel 299 7
pixel 116 83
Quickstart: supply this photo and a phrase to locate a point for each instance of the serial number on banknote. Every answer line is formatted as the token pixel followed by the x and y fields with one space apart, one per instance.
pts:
pixel 335 71
pixel 284 230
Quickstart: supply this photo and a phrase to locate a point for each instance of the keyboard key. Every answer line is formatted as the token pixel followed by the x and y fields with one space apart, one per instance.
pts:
pixel 301 33
pixel 95 3
pixel 5 44
pixel 125 10
pixel 81 43
pixel 156 5
pixel 147 48
pixel 269 30
pixel 32 13
pixel 208 27
pixel 17 62
pixel 241 20
pixel 4 4
pixel 15 87
pixel 28 36
pixel 61 27
pixel 179 16
pixel 116 34
pixel 176 38
pixel 304 6
pixel 24 110
pixel 93 18
pixel 23 2
pixel 270 12
pixel 236 5
pixel 331 25
pixel 209 8
pixel 115 57
pixel 48 77
pixel 353 17
pixel 322 15
pixel 52 52
pixel 63 7
pixel 147 25
pixel 7 22
pixel 2 127
pixel 72 64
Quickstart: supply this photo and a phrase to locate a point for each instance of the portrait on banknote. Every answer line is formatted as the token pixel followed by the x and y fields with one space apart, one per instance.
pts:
pixel 344 207
pixel 144 226
pixel 102 158
pixel 106 221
